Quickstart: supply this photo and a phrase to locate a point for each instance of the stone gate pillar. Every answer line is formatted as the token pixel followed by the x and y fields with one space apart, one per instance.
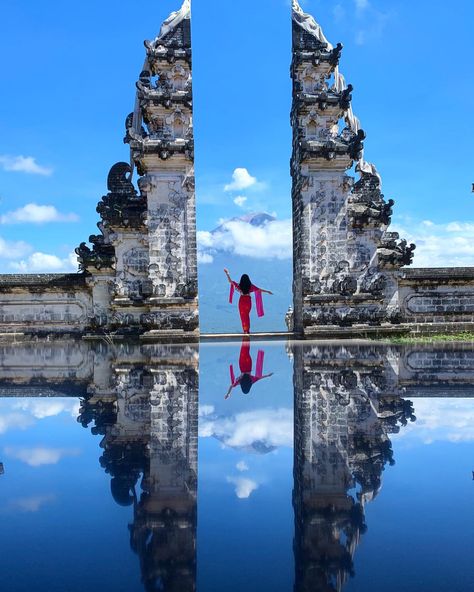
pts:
pixel 142 267
pixel 345 263
pixel 160 134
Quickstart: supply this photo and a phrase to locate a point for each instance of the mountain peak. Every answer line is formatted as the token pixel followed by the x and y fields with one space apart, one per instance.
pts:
pixel 258 219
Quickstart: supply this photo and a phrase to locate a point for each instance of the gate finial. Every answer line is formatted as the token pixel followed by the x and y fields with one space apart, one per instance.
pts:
pixel 308 23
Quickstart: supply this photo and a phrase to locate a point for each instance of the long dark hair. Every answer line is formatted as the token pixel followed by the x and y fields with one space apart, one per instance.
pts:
pixel 246 383
pixel 245 284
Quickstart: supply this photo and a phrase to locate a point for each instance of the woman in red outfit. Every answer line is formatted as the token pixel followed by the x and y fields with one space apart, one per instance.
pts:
pixel 246 379
pixel 245 288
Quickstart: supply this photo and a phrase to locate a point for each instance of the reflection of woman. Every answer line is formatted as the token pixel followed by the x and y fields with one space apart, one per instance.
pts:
pixel 245 288
pixel 246 379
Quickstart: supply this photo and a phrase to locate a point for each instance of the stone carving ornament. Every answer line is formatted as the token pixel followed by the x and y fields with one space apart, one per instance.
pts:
pixel 307 22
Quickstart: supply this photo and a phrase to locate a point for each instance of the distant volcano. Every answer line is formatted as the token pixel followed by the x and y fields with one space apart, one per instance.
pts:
pixel 255 219
pixel 257 244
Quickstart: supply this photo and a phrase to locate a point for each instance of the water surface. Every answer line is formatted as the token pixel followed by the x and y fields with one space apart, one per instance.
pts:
pixel 336 467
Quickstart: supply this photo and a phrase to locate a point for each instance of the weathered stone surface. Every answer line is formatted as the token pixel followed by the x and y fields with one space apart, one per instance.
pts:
pixel 44 304
pixel 42 281
pixel 341 246
pixel 439 296
pixel 160 134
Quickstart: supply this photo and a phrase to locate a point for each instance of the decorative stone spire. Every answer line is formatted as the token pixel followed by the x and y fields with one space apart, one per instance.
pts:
pixel 344 260
pixel 143 267
pixel 308 23
pixel 174 20
pixel 160 134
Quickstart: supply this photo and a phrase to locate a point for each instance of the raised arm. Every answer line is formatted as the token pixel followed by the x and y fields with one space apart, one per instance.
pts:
pixel 226 271
pixel 257 378
pixel 255 289
pixel 229 392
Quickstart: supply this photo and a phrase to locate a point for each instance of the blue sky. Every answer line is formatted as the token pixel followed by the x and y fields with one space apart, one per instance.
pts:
pixel 68 82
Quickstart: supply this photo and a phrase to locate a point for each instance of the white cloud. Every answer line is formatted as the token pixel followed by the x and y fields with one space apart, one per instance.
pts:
pixel 13 249
pixel 270 427
pixel 240 201
pixel 40 456
pixel 44 263
pixel 242 466
pixel 36 214
pixel 32 504
pixel 241 179
pixel 243 487
pixel 24 164
pixel 271 241
pixel 204 258
pixel 438 245
pixel 464 227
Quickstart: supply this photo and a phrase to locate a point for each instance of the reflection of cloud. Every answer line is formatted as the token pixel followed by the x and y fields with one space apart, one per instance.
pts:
pixel 243 486
pixel 260 430
pixel 444 420
pixel 39 456
pixel 22 413
pixel 11 421
pixel 41 408
pixel 33 503
pixel 242 466
pixel 206 410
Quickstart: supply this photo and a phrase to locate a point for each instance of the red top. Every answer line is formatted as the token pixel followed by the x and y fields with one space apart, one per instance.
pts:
pixel 258 296
pixel 258 371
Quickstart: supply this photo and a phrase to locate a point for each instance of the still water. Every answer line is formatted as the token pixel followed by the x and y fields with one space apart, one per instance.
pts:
pixel 244 466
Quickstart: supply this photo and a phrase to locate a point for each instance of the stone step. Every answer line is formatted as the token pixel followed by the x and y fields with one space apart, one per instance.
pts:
pixel 273 336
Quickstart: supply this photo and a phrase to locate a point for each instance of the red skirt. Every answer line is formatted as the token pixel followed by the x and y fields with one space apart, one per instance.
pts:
pixel 245 306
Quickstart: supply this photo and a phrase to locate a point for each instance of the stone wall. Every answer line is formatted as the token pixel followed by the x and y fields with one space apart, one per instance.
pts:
pixel 438 300
pixel 44 304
